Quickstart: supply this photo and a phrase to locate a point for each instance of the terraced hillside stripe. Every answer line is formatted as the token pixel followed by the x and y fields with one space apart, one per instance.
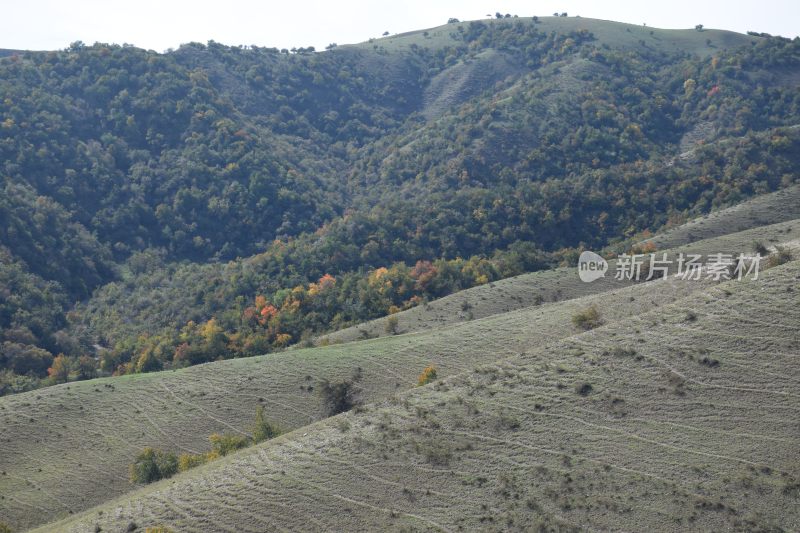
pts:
pixel 67 448
pixel 684 418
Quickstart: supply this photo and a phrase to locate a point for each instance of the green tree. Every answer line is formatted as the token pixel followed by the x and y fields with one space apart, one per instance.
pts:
pixel 151 465
pixel 262 428
pixel 223 444
pixel 25 358
pixel 86 367
pixel 60 369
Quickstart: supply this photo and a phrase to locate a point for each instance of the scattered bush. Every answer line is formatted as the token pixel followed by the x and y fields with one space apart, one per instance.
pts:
pixel 588 319
pixel 4 528
pixel 584 389
pixel 262 429
pixel 436 453
pixel 709 362
pixel 506 421
pixel 791 489
pixel 619 351
pixel 190 460
pixel 158 529
pixel 152 465
pixel 780 256
pixel 428 375
pixel 760 249
pixel 391 325
pixel 341 396
pixel 225 443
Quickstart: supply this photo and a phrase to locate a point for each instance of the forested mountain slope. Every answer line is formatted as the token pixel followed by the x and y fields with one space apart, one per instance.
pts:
pixel 161 210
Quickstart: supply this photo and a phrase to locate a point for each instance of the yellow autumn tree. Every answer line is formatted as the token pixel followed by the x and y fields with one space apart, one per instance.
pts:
pixel 59 371
pixel 428 375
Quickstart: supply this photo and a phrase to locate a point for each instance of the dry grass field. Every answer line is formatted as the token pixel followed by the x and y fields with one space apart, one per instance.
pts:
pixel 618 35
pixel 67 448
pixel 683 417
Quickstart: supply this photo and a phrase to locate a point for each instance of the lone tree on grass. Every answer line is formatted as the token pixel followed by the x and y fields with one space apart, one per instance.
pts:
pixel 341 396
pixel 428 375
pixel 152 465
pixel 392 324
pixel 262 429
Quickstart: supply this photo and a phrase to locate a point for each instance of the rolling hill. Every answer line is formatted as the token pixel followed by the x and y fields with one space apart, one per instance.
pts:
pixel 560 284
pixel 682 417
pixel 189 237
pixel 81 437
pixel 609 33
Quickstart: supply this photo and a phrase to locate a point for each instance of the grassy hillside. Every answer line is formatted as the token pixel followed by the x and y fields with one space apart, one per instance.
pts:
pixel 174 222
pixel 609 33
pixel 79 438
pixel 766 209
pixel 562 284
pixel 683 418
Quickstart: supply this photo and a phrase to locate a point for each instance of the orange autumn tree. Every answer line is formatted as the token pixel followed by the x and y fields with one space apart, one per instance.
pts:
pixel 59 371
pixel 423 272
pixel 325 282
pixel 428 375
pixel 261 312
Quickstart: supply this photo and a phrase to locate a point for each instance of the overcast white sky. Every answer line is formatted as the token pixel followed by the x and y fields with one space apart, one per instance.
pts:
pixel 162 24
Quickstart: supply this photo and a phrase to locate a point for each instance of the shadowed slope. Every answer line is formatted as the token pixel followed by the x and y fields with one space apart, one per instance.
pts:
pixel 769 208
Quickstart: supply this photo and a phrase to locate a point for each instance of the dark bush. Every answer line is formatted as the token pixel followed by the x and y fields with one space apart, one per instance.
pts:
pixel 780 256
pixel 340 396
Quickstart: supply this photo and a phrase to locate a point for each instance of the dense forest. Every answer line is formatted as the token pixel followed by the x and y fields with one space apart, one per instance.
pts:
pixel 160 210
